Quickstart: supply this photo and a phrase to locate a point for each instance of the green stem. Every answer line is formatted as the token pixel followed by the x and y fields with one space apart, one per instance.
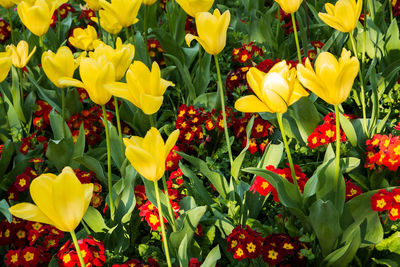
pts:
pixel 118 124
pixel 170 210
pixel 391 10
pixel 164 236
pixel 108 160
pixel 296 37
pixel 289 156
pixel 222 96
pixel 145 24
pixel 21 86
pixel 371 9
pixel 78 250
pixel 361 87
pixel 127 33
pixel 337 146
pixel 278 25
pixel 101 33
pixel 11 25
pixel 3 105
pixel 63 103
pixel 151 120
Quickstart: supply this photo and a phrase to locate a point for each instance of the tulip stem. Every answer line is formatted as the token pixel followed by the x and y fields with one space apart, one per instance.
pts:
pixel 361 86
pixel 11 25
pixel 63 104
pixel 101 33
pixel 278 25
pixel 151 120
pixel 337 146
pixel 108 160
pixel 289 156
pixel 78 250
pixel 145 24
pixel 170 209
pixel 118 124
pixel 391 10
pixel 222 96
pixel 296 37
pixel 164 236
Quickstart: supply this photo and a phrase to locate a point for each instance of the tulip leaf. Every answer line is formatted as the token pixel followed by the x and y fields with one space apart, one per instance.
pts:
pixel 117 153
pixel 141 52
pixel 348 129
pixel 59 126
pixel 203 76
pixel 170 46
pixel 237 163
pixel 4 210
pixel 182 252
pixel 16 93
pixel 93 165
pixel 213 256
pixel 59 152
pixel 306 115
pixel 6 156
pixel 95 220
pixel 80 143
pixel 272 155
pixel 217 180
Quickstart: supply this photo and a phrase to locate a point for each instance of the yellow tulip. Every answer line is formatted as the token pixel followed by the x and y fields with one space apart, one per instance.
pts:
pixel 289 6
pixel 342 16
pixel 93 4
pixel 275 90
pixel 121 57
pixel 6 3
pixel 212 30
pixel 19 54
pixel 332 80
pixel 149 2
pixel 147 155
pixel 59 66
pixel 36 15
pixel 125 11
pixel 144 88
pixel 109 22
pixel 192 7
pixel 60 200
pixel 5 64
pixel 83 38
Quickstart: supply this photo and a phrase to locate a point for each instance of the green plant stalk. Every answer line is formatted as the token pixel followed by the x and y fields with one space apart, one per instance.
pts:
pixel 361 87
pixel 296 37
pixel 63 103
pixel 21 86
pixel 337 170
pixel 170 210
pixel 101 33
pixel 145 24
pixel 391 11
pixel 78 250
pixel 371 9
pixel 164 235
pixel 151 120
pixel 222 96
pixel 278 25
pixel 108 160
pixel 41 43
pixel 11 25
pixel 279 117
pixel 118 124
pixel 3 106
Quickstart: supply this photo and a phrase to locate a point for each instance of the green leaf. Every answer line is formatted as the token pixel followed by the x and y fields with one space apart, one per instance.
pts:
pixel 124 198
pixel 348 129
pixel 115 145
pixel 306 116
pixel 213 256
pixel 182 252
pixel 272 155
pixel 95 220
pixel 93 165
pixel 392 243
pixel 4 210
pixel 237 163
pixel 59 126
pixel 80 143
pixel 6 157
pixel 60 152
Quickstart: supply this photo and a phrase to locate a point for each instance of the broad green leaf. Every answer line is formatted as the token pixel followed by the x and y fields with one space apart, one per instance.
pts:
pixel 95 220
pixel 4 210
pixel 213 256
pixel 237 163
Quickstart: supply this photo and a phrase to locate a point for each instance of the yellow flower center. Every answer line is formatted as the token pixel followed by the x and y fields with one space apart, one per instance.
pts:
pixel 233 243
pixel 380 203
pixel 239 252
pixel 272 254
pixel 153 219
pixel 264 184
pixel 29 256
pixel 251 247
pixel 288 246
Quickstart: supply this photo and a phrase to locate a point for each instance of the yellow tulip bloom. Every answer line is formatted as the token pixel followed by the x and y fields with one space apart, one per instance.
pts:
pixel 5 64
pixel 109 22
pixel 275 91
pixel 19 54
pixel 60 200
pixel 59 66
pixel 125 11
pixel 144 88
pixel 83 38
pixel 149 2
pixel 36 15
pixel 192 7
pixel 342 16
pixel 121 57
pixel 332 80
pixel 147 155
pixel 6 3
pixel 289 6
pixel 93 4
pixel 212 30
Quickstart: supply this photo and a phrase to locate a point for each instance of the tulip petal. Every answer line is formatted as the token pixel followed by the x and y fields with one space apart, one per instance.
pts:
pixel 29 212
pixel 66 81
pixel 255 78
pixel 122 90
pixel 142 161
pixel 172 138
pixel 150 104
pixel 251 104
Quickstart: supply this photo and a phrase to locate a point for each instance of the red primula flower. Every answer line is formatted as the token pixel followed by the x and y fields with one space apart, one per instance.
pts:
pixel 381 201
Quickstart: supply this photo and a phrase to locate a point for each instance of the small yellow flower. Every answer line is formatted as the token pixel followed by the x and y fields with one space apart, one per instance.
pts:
pixel 289 6
pixel 212 30
pixel 342 16
pixel 59 66
pixel 192 7
pixel 60 200
pixel 274 91
pixel 5 64
pixel 147 155
pixel 83 38
pixel 144 88
pixel 19 54
pixel 332 80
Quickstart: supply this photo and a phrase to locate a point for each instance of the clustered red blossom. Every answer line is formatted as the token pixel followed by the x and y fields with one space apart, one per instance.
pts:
pixel 21 184
pixel 260 132
pixel 246 52
pixel 326 133
pixel 90 177
pixel 156 51
pixel 396 8
pixel 383 151
pixel 61 13
pixel 93 253
pixel 190 26
pixel 172 161
pixel 5 31
pixel 42 112
pixel 32 142
pixel 352 190
pixel 287 19
pixel 275 249
pixel 151 262
pixel 385 200
pixel 30 244
pixel 261 186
